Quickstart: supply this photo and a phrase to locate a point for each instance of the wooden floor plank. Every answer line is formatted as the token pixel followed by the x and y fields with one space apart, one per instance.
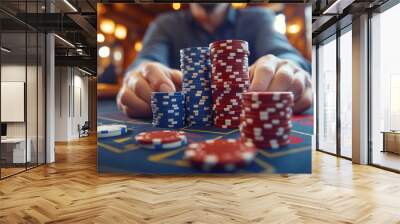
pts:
pixel 71 191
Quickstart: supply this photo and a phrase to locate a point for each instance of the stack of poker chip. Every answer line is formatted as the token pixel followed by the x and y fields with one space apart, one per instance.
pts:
pixel 266 118
pixel 226 154
pixel 168 109
pixel 195 66
pixel 111 130
pixel 230 78
pixel 161 139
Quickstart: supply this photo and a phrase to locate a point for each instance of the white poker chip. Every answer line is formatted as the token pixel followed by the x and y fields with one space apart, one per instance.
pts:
pixel 111 130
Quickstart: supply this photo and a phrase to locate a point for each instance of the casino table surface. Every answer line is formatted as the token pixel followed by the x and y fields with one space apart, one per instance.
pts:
pixel 122 155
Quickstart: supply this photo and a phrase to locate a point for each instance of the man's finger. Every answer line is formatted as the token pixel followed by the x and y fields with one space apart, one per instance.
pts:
pixel 263 73
pixel 157 78
pixel 283 78
pixel 176 77
pixel 127 99
pixel 299 84
pixel 304 102
pixel 140 87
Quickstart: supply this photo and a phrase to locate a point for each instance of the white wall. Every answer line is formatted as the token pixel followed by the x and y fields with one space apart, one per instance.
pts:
pixel 12 73
pixel 71 94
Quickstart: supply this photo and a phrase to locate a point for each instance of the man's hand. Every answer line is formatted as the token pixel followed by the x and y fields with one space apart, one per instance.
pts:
pixel 273 74
pixel 135 94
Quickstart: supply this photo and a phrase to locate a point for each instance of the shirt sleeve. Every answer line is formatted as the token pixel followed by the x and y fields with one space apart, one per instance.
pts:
pixel 155 45
pixel 269 41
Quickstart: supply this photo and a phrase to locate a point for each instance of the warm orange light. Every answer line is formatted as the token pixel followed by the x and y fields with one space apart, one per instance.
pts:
pixel 138 46
pixel 100 38
pixel 107 26
pixel 176 6
pixel 293 29
pixel 239 5
pixel 120 32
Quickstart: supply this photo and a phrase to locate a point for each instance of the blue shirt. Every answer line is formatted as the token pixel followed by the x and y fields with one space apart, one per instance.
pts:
pixel 173 31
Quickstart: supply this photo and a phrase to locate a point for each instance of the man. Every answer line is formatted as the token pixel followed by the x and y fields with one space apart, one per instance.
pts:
pixel 275 64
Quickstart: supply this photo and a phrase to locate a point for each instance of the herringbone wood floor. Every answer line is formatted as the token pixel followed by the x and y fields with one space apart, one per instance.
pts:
pixel 71 191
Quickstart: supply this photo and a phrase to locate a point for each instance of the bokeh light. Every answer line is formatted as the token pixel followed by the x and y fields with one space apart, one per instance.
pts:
pixel 176 6
pixel 100 38
pixel 107 26
pixel 138 46
pixel 280 23
pixel 293 28
pixel 104 52
pixel 239 5
pixel 117 55
pixel 120 31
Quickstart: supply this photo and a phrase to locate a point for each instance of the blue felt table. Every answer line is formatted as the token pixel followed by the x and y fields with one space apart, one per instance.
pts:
pixel 122 155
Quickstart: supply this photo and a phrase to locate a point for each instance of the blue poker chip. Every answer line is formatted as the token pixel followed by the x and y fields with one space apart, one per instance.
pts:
pixel 196 85
pixel 168 109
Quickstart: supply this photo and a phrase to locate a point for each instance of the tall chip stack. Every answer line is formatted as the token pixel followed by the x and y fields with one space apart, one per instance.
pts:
pixel 168 109
pixel 196 85
pixel 230 78
pixel 266 118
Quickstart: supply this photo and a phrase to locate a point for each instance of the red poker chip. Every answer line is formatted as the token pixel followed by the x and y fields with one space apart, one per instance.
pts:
pixel 272 122
pixel 284 103
pixel 220 107
pixel 264 126
pixel 232 64
pixel 255 106
pixel 225 97
pixel 230 87
pixel 230 60
pixel 270 110
pixel 225 43
pixel 236 67
pixel 261 129
pixel 268 118
pixel 224 113
pixel 160 137
pixel 232 97
pixel 229 71
pixel 229 153
pixel 223 74
pixel 221 104
pixel 218 112
pixel 268 96
pixel 268 115
pixel 226 126
pixel 219 51
pixel 265 131
pixel 273 144
pixel 229 45
pixel 230 120
pixel 229 56
pixel 266 136
pixel 227 114
pixel 227 108
pixel 230 81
